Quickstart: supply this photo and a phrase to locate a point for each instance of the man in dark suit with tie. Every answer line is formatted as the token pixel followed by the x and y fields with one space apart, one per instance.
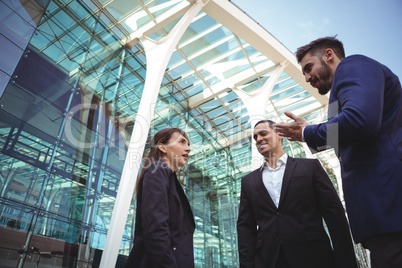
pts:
pixel 365 128
pixel 282 208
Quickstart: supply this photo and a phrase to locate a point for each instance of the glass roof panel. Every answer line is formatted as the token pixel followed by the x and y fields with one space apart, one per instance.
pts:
pixel 229 97
pixel 178 71
pixel 220 120
pixel 214 53
pixel 160 6
pixel 79 36
pixel 307 106
pixel 187 81
pixel 104 2
pixel 121 8
pixel 205 41
pixel 235 70
pixel 118 32
pixel 213 80
pixel 218 111
pixel 289 100
pixel 136 21
pixel 196 89
pixel 175 59
pixel 77 9
pixel 158 35
pixel 250 51
pixel 66 20
pixel 293 103
pixel 203 24
pixel 106 22
pixel 283 93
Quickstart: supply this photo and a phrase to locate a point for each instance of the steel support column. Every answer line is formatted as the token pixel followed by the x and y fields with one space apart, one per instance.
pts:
pixel 158 55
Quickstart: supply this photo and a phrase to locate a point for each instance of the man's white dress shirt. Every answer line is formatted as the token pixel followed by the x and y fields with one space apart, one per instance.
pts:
pixel 272 178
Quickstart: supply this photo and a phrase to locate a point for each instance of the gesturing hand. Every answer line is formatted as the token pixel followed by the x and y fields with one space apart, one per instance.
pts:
pixel 292 131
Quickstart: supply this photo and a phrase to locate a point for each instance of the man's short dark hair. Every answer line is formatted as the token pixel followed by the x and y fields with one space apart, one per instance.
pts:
pixel 270 123
pixel 318 47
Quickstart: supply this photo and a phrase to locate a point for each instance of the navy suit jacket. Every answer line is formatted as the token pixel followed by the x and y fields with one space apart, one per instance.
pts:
pixel 164 224
pixel 365 128
pixel 307 197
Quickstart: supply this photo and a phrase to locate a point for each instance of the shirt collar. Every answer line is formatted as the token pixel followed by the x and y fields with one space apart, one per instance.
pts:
pixel 281 161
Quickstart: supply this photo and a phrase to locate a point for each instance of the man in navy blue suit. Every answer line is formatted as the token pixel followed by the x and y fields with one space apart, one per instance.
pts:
pixel 365 128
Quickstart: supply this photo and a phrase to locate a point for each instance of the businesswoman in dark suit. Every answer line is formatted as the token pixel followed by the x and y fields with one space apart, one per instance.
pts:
pixel 164 225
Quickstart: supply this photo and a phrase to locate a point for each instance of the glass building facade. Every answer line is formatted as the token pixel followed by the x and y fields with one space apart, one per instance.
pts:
pixel 72 76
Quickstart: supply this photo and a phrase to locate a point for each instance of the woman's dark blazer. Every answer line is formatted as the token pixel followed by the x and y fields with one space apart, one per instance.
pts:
pixel 164 225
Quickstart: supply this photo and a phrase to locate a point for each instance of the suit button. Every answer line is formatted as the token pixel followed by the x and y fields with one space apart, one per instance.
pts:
pixel 278 214
pixel 174 248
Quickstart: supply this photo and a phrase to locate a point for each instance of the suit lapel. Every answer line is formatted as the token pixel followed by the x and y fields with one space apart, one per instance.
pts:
pixel 183 198
pixel 287 176
pixel 261 187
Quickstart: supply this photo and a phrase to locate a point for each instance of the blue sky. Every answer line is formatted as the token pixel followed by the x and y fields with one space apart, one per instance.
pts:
pixel 369 27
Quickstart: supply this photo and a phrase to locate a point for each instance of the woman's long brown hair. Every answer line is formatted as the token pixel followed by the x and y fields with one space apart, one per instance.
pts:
pixel 162 136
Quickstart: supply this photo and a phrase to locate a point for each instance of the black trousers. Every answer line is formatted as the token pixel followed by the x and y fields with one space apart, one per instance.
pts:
pixel 385 250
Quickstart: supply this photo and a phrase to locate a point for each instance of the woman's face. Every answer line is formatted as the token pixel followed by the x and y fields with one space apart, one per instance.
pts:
pixel 175 151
